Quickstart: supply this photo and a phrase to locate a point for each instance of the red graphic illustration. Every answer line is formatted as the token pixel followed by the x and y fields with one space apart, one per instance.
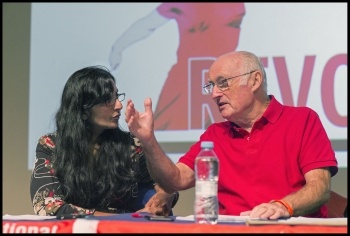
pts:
pixel 206 30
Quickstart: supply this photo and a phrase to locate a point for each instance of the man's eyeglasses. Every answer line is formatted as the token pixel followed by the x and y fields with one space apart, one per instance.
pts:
pixel 222 84
pixel 119 96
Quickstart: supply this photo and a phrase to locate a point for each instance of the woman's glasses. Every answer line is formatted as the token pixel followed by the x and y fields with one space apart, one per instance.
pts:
pixel 112 101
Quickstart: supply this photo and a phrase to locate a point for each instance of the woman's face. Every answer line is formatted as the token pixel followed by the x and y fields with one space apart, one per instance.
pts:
pixel 106 115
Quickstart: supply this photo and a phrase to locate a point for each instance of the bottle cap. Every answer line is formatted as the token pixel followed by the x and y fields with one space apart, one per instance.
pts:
pixel 207 144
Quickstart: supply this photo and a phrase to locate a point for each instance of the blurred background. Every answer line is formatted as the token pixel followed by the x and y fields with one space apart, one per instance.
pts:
pixel 34 55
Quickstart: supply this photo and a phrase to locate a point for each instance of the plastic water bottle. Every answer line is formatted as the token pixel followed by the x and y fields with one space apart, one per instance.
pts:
pixel 206 206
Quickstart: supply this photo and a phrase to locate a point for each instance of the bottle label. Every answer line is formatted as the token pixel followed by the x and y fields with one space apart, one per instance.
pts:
pixel 206 188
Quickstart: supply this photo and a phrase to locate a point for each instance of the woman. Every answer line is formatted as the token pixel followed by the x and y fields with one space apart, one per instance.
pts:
pixel 89 165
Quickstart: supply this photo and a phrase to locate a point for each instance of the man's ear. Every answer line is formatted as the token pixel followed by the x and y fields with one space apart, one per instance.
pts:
pixel 257 80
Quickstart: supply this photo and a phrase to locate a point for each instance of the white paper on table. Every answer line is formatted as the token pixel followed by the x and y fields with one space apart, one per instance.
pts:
pixel 221 219
pixel 289 221
pixel 27 217
pixel 302 221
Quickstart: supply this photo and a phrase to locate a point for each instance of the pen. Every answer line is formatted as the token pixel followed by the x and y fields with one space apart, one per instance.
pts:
pixel 136 215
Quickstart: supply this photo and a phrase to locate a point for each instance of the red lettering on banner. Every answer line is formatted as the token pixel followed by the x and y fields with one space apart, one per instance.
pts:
pixel 202 108
pixel 14 228
pixel 284 81
pixel 327 90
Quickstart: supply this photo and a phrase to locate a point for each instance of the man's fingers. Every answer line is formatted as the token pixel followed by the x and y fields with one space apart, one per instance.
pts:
pixel 245 213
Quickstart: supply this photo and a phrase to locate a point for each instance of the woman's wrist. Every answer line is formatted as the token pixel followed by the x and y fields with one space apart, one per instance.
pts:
pixel 175 194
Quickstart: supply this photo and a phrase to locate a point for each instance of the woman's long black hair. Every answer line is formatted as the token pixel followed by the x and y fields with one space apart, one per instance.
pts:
pixel 89 181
